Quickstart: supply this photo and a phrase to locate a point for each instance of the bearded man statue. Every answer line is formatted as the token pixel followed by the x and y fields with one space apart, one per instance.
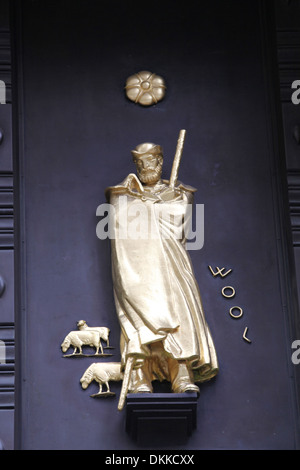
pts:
pixel 163 327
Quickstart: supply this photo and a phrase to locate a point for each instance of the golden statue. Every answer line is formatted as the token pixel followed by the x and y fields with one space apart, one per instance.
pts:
pixel 164 334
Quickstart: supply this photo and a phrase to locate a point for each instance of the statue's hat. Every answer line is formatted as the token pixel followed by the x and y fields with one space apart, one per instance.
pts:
pixel 145 148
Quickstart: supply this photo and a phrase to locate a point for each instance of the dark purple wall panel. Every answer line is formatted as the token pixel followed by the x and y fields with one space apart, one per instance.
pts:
pixel 78 132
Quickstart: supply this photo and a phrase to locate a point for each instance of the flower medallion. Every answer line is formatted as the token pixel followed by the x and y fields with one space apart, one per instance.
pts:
pixel 145 88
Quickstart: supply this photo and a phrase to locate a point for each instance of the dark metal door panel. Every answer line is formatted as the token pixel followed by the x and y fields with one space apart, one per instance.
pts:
pixel 6 138
pixel 7 286
pixel 78 132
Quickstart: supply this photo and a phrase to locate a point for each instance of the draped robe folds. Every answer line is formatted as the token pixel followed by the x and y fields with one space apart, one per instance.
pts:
pixel 156 293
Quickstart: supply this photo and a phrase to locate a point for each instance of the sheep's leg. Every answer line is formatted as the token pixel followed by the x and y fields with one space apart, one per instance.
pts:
pixel 75 349
pixel 99 346
pixel 100 387
pixel 107 386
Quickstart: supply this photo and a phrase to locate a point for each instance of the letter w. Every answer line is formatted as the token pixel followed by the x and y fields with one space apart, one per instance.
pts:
pixel 219 271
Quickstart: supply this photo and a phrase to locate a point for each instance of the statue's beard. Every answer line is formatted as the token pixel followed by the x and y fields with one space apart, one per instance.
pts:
pixel 150 176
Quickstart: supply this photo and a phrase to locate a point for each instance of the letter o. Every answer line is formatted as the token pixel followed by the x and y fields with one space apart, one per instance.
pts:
pixel 236 308
pixel 228 296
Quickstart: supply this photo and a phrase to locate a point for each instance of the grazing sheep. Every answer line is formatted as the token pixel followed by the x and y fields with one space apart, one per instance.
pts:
pixel 77 339
pixel 102 373
pixel 104 332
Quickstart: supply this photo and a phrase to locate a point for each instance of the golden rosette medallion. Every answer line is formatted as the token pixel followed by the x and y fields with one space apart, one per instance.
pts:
pixel 145 88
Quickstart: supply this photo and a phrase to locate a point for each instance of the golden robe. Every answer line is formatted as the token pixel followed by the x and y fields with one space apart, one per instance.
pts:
pixel 156 293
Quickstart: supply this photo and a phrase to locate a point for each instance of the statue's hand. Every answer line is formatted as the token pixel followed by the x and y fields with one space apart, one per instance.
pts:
pixel 133 183
pixel 171 194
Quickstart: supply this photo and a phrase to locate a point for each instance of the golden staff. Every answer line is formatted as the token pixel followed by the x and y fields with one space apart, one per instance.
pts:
pixel 127 373
pixel 177 158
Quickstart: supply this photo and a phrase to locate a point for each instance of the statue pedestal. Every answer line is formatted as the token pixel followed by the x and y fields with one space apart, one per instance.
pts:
pixel 161 419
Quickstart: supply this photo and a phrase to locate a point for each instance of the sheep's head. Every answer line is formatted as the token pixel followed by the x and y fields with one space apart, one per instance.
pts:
pixel 65 345
pixel 84 382
pixel 81 324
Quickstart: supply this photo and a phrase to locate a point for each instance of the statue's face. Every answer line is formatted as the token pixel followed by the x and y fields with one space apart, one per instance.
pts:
pixel 149 168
